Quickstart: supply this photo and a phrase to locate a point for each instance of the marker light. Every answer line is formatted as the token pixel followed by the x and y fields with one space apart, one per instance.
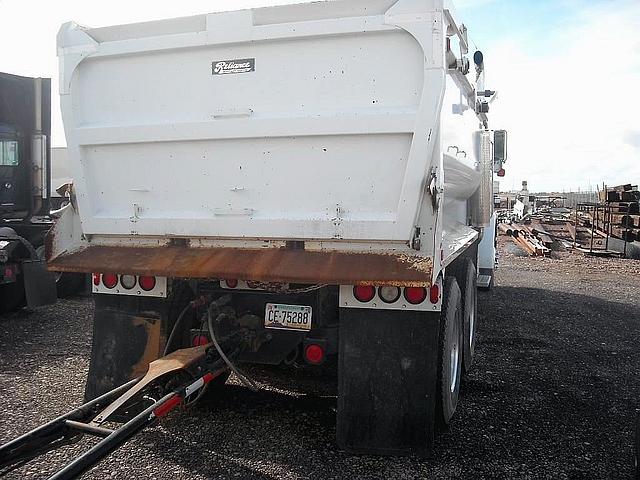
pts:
pixel 314 354
pixel 434 293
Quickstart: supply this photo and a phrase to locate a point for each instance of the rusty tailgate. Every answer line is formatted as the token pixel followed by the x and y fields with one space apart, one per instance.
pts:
pixel 268 265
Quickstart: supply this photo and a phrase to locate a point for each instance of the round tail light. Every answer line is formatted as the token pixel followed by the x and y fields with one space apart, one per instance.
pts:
pixel 96 279
pixel 231 283
pixel 389 294
pixel 128 281
pixel 109 280
pixel 415 295
pixel 314 354
pixel 364 293
pixel 147 283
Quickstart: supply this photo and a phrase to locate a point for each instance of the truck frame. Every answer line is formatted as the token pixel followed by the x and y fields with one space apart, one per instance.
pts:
pixel 327 167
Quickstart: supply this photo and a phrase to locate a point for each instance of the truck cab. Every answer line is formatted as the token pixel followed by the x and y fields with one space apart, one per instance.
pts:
pixel 25 125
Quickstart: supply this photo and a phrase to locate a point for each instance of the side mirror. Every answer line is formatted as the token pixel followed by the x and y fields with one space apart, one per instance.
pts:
pixel 499 148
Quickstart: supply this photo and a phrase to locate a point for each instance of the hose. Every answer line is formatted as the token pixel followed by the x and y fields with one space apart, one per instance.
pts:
pixel 246 381
pixel 175 328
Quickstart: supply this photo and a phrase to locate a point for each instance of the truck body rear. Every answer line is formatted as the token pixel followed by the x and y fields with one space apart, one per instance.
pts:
pixel 324 164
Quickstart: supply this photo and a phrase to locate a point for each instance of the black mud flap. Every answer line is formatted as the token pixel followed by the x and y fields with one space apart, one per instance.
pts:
pixel 39 283
pixel 128 334
pixel 387 381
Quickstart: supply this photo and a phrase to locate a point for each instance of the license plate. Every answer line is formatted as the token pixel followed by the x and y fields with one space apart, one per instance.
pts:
pixel 287 317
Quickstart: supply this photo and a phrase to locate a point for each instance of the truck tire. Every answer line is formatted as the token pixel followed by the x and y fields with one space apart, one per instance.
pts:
pixel 450 353
pixel 67 284
pixel 468 287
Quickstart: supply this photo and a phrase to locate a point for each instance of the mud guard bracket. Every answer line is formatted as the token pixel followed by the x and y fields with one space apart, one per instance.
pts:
pixel 126 340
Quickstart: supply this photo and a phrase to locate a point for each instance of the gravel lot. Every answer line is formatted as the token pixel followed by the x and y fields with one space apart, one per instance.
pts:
pixel 553 394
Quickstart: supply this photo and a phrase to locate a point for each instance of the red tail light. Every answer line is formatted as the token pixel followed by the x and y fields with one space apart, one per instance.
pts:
pixel 109 280
pixel 415 295
pixel 10 273
pixel 231 283
pixel 314 354
pixel 147 283
pixel 199 340
pixel 364 293
pixel 434 294
pixel 96 279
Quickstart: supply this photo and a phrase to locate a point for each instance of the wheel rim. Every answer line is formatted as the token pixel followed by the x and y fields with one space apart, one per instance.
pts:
pixel 455 355
pixel 472 324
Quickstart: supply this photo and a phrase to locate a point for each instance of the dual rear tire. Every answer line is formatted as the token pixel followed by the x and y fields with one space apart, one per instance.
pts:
pixel 450 345
pixel 457 337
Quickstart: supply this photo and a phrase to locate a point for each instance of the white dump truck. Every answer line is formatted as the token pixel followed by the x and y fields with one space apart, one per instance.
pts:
pixel 323 169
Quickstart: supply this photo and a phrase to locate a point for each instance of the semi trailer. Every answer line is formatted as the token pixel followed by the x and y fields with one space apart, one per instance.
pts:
pixel 315 179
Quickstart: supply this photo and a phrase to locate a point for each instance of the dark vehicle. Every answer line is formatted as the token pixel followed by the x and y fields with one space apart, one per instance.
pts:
pixel 25 165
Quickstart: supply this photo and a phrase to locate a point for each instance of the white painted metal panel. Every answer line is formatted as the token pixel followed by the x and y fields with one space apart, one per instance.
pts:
pixel 335 132
pixel 329 136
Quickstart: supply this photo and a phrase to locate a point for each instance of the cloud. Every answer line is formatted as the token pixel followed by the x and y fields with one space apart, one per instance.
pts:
pixel 633 139
pixel 570 111
pixel 567 95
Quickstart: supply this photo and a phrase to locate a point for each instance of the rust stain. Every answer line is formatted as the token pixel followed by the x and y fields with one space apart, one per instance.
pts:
pixel 264 265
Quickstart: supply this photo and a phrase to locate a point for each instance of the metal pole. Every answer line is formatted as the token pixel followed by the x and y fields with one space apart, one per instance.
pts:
pixel 593 229
pixel 607 225
pixel 575 237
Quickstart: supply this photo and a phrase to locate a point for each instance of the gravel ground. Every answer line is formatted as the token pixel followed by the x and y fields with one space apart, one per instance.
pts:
pixel 553 393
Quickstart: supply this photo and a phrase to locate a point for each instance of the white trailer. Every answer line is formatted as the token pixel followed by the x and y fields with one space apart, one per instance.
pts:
pixel 329 165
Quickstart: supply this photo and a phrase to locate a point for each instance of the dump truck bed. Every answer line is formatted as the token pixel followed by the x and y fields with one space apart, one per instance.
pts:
pixel 315 126
pixel 312 139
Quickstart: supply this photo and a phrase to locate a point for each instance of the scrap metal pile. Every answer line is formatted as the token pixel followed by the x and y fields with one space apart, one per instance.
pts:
pixel 588 228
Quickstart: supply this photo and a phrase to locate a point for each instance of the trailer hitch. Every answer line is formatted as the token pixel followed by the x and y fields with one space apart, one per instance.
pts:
pixel 149 398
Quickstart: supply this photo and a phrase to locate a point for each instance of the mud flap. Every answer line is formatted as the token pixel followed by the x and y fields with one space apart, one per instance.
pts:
pixel 126 338
pixel 39 284
pixel 387 381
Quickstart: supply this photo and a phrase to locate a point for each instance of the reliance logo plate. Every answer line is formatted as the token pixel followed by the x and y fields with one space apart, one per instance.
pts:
pixel 229 67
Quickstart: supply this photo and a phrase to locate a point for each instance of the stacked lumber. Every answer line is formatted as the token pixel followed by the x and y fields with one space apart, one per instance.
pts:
pixel 621 218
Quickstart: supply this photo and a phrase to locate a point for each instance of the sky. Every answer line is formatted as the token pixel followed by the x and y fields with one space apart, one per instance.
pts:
pixel 566 72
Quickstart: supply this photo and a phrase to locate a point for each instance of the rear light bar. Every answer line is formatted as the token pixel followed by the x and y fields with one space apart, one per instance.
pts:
pixel 389 297
pixel 141 286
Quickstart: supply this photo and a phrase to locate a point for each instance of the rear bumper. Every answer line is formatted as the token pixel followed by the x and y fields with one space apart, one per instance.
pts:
pixel 267 265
